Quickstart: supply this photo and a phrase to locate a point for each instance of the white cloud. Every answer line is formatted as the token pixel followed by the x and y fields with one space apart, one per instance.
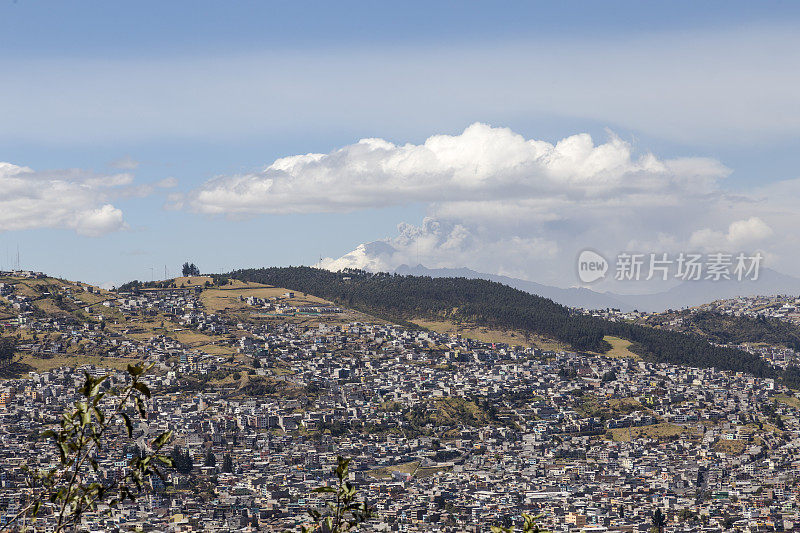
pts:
pixel 72 199
pixel 499 203
pixel 459 172
pixel 97 222
pixel 746 232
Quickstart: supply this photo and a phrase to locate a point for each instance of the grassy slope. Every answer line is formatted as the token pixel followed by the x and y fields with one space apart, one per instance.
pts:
pixel 655 431
pixel 620 348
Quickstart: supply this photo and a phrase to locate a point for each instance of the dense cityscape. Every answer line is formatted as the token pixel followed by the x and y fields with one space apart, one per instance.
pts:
pixel 446 433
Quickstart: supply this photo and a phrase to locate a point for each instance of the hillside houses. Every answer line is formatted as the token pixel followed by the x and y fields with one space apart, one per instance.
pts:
pixel 547 457
pixel 446 433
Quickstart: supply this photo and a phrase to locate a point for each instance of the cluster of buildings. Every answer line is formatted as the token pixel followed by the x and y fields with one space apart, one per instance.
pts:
pixel 445 433
pixel 451 439
pixel 281 306
pixel 783 307
pixel 21 274
pixel 780 306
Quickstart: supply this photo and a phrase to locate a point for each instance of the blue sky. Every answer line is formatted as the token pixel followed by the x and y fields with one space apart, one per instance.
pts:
pixel 100 29
pixel 204 91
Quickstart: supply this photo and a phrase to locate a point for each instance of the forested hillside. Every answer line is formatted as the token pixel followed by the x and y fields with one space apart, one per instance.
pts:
pixel 401 298
pixel 727 329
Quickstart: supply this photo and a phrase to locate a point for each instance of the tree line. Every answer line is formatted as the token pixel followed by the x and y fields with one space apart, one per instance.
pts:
pixel 401 298
pixel 7 349
pixel 727 329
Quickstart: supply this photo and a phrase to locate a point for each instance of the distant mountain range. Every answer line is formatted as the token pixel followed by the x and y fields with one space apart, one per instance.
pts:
pixel 687 294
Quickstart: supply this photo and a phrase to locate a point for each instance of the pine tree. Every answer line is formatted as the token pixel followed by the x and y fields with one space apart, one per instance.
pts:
pixel 211 459
pixel 659 521
pixel 188 463
pixel 227 464
pixel 182 460
pixel 177 458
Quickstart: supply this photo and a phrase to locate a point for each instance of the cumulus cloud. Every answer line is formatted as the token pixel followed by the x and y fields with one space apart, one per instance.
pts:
pixel 747 232
pixel 459 172
pixel 97 222
pixel 72 199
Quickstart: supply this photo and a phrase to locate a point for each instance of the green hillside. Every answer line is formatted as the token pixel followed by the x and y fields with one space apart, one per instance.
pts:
pixel 727 329
pixel 402 298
